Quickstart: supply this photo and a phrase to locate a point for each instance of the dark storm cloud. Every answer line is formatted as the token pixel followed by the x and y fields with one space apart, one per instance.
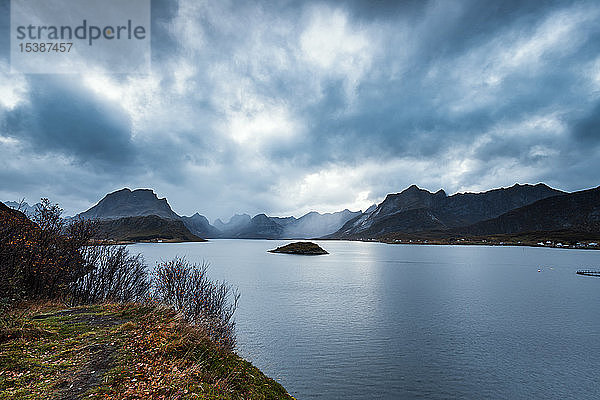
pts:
pixel 61 117
pixel 587 129
pixel 404 118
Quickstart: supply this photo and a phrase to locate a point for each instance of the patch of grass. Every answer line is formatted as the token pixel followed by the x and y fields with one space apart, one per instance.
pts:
pixel 123 352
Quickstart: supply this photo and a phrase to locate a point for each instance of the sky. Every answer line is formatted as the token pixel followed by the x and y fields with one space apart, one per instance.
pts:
pixel 287 107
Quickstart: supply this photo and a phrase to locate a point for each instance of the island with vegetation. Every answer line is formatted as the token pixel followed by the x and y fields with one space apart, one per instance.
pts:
pixel 302 248
pixel 88 321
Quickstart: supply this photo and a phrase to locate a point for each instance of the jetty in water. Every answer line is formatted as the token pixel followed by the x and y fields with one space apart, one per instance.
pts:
pixel 588 272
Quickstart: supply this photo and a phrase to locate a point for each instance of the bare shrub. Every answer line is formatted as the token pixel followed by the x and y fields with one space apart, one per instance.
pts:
pixel 48 217
pixel 204 302
pixel 114 275
pixel 40 259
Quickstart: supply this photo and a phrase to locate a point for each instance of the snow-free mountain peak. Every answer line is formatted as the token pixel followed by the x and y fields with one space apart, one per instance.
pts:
pixel 130 203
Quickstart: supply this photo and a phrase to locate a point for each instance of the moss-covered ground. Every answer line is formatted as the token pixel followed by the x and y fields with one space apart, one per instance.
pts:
pixel 120 352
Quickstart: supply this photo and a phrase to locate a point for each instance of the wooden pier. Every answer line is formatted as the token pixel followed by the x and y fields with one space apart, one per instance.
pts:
pixel 588 272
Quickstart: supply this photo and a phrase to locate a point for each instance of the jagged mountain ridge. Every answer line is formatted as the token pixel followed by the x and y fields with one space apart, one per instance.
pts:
pixel 577 211
pixel 310 225
pixel 411 211
pixel 260 227
pixel 416 210
pixel 140 215
pixel 199 226
pixel 126 203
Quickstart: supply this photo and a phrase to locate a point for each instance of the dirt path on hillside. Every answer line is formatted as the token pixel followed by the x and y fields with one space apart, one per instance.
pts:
pixel 99 358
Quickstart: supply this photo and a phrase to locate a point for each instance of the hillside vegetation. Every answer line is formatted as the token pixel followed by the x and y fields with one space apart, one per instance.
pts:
pixel 145 228
pixel 79 320
pixel 121 352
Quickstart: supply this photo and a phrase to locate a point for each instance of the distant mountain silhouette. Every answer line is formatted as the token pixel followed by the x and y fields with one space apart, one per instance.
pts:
pixel 314 224
pixel 141 215
pixel 234 225
pixel 310 225
pixel 128 203
pixel 416 210
pixel 24 207
pixel 260 227
pixel 199 226
pixel 577 211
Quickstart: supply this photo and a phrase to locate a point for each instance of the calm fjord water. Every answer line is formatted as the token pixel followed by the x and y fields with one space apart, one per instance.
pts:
pixel 377 321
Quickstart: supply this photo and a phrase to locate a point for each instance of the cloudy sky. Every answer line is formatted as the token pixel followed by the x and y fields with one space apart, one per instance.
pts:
pixel 295 106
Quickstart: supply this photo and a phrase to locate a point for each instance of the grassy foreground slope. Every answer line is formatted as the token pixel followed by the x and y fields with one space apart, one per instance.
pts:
pixel 121 352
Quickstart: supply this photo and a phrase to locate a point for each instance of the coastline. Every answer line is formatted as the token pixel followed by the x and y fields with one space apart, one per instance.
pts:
pixel 420 242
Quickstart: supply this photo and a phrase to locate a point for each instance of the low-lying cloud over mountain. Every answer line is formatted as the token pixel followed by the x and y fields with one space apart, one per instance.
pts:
pixel 288 107
pixel 127 207
pixel 525 210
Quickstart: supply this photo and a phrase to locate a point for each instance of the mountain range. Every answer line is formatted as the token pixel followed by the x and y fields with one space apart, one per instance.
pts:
pixel 24 207
pixel 418 210
pixel 141 215
pixel 578 211
pixel 141 209
pixel 261 226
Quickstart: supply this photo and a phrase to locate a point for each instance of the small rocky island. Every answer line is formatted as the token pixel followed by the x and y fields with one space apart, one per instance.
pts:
pixel 304 248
